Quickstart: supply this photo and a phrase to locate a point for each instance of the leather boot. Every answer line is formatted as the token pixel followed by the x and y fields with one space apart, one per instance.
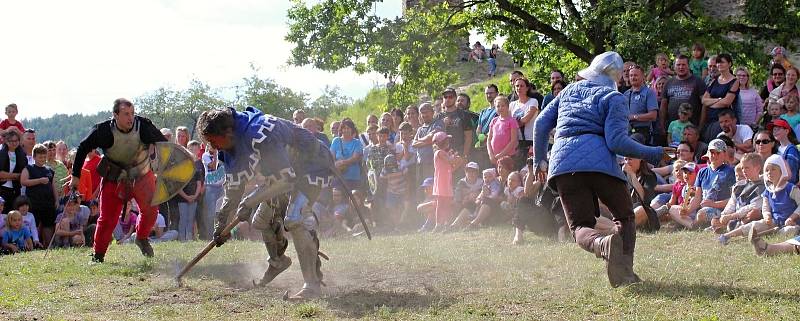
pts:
pixel 144 246
pixel 610 249
pixel 307 253
pixel 276 266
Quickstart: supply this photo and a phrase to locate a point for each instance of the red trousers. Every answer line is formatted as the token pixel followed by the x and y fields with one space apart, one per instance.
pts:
pixel 113 196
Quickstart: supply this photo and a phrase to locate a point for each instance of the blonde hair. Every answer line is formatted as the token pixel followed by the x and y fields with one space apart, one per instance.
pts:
pixel 747 84
pixel 13 214
pixel 678 165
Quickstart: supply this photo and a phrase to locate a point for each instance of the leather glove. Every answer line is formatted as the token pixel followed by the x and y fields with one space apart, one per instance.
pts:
pixel 220 239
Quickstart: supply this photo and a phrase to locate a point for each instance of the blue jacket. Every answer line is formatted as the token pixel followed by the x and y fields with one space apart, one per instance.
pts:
pixel 792 157
pixel 591 122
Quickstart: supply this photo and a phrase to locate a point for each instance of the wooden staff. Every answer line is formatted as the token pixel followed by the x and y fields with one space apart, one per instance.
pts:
pixel 208 248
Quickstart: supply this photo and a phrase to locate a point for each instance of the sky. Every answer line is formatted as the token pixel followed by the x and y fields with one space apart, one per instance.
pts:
pixel 78 56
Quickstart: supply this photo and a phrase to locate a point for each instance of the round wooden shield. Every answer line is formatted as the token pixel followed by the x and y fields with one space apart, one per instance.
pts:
pixel 173 166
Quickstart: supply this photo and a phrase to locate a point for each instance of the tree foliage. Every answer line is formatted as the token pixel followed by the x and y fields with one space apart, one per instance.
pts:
pixel 412 51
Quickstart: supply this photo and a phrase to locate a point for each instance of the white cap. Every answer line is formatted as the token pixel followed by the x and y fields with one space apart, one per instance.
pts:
pixel 605 69
pixel 473 165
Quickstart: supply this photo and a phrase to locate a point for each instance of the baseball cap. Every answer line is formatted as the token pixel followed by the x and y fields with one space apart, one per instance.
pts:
pixel 716 145
pixel 427 182
pixel 780 123
pixel 689 167
pixel 440 136
pixel 473 165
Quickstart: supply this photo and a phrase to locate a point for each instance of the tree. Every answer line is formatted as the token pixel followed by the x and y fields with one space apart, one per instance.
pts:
pixel 171 108
pixel 270 97
pixel 414 49
pixel 330 102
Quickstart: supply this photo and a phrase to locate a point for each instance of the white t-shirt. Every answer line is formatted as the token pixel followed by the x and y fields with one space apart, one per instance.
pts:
pixel 404 163
pixel 518 109
pixel 12 162
pixel 743 133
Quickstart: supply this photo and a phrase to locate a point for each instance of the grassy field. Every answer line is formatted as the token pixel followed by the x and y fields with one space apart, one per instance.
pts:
pixel 465 275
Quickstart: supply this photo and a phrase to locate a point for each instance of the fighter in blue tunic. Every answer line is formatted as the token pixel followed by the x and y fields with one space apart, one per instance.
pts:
pixel 295 167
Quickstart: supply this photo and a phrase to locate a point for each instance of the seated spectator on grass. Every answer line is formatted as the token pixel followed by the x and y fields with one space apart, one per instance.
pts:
pixel 16 237
pixel 713 188
pixel 512 192
pixel 126 225
pixel 336 217
pixel 159 232
pixel 787 149
pixel 684 153
pixel 2 216
pixel 488 200
pixel 691 135
pixel 643 182
pixel 478 52
pixel 427 208
pixel 764 144
pixel 779 207
pixel 682 191
pixel 91 222
pixel 69 228
pixel 741 135
pixel 23 205
pixel 745 204
pixel 467 190
pixel 358 204
pixel 762 248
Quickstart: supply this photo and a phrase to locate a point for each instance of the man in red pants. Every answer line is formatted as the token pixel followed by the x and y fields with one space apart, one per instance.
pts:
pixel 125 168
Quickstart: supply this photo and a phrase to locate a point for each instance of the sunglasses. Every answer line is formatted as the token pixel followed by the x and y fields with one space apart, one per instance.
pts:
pixel 763 141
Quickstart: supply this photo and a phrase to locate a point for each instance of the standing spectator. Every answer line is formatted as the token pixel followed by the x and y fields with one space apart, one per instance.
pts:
pixel 396 188
pixel 335 129
pixel 11 123
pixel 182 136
pixel 525 110
pixel 423 142
pixel 188 197
pixel 699 65
pixel 376 155
pixel 348 151
pixel 62 151
pixel 482 127
pixel 41 191
pixel 445 161
pixel 58 168
pixel 364 137
pixel 90 185
pixel 215 177
pixel 555 76
pixel 312 125
pixel 713 71
pixel 555 88
pixel 779 57
pixel 398 117
pixel 722 94
pixel 504 133
pixel 28 141
pixel 792 115
pixel 642 103
pixel 777 75
pixel 493 60
pixel 456 123
pixel 787 149
pixel 683 88
pixel 512 78
pixel 788 87
pixel 752 104
pixel 407 159
pixel 12 162
pixel 741 135
pixel 388 121
pixel 298 116
pixel 412 117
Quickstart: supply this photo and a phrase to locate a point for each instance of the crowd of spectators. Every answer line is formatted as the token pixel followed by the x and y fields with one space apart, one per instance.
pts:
pixel 440 167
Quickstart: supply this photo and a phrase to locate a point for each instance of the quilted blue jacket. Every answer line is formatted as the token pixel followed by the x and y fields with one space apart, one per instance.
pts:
pixel 591 122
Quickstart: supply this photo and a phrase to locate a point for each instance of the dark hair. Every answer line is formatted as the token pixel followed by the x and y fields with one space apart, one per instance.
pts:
pixel 681 57
pixel 777 66
pixel 10 134
pixel 528 84
pixel 397 112
pixel 518 73
pixel 683 142
pixel 769 134
pixel 350 124
pixel 727 112
pixel 493 86
pixel 21 200
pixel 12 105
pixel 121 102
pixel 469 101
pixel 726 57
pixel 384 130
pixel 692 127
pixel 728 141
pixel 558 82
pixel 558 71
pixel 215 122
pixel 49 144
pixel 39 149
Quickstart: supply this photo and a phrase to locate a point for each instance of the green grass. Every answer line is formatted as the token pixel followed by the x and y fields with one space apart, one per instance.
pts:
pixel 459 276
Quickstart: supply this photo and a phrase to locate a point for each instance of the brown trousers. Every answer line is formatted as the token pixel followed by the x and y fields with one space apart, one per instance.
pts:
pixel 579 194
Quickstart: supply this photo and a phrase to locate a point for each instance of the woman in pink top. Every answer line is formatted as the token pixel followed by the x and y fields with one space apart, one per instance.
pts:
pixel 444 161
pixel 503 132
